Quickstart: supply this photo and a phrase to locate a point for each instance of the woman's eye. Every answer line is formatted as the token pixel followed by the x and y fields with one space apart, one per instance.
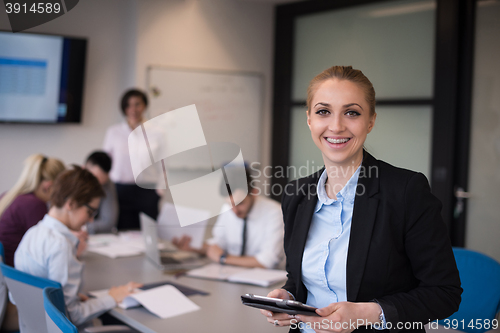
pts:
pixel 352 113
pixel 322 112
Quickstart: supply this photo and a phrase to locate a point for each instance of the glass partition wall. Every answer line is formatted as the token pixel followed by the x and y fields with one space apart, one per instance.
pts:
pixel 418 55
pixel 393 44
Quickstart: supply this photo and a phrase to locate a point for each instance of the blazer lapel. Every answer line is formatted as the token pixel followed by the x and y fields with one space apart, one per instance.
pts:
pixel 302 221
pixel 363 219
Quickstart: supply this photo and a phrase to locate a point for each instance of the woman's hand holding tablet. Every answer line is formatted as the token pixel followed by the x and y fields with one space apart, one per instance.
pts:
pixel 278 305
pixel 279 309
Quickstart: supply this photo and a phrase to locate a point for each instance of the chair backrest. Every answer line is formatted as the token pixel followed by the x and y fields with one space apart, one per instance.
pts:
pixel 480 277
pixel 3 288
pixel 53 302
pixel 27 293
pixel 2 252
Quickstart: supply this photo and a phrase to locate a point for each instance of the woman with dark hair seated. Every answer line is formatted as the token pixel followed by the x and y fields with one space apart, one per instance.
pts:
pixel 99 164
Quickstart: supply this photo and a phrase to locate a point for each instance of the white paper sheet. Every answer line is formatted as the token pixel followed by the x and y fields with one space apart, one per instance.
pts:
pixel 127 303
pixel 165 301
pixel 102 240
pixel 259 276
pixel 116 250
pixel 216 271
pixel 126 244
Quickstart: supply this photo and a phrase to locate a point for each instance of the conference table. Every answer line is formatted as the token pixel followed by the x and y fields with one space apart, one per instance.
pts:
pixel 221 311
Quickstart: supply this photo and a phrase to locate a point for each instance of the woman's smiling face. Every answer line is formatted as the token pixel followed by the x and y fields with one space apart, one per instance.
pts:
pixel 339 120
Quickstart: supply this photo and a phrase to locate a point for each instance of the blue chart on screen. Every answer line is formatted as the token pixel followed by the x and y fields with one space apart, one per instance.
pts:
pixel 23 76
pixel 30 77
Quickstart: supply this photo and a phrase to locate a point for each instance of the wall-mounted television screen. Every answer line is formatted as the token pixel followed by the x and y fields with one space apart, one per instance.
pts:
pixel 41 78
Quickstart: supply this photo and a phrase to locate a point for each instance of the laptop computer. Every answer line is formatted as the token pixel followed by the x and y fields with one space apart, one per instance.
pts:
pixel 169 258
pixel 170 227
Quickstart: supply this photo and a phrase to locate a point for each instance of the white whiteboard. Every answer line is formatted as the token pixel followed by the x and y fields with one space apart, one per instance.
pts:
pixel 229 103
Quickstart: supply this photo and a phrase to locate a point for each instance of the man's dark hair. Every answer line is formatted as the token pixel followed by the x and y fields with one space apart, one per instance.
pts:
pixel 101 159
pixel 132 93
pixel 224 188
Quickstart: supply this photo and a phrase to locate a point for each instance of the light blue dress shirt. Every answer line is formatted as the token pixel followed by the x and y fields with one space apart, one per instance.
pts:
pixel 48 250
pixel 324 263
pixel 325 254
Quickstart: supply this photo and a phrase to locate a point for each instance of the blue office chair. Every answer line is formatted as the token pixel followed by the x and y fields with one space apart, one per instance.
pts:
pixel 480 277
pixel 27 293
pixel 57 322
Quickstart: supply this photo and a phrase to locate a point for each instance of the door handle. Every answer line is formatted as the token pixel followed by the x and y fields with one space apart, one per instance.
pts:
pixel 460 194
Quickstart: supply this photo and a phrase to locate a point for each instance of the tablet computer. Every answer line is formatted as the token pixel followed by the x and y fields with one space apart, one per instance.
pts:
pixel 278 305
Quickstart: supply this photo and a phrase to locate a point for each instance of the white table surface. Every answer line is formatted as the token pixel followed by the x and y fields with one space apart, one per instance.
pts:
pixel 220 312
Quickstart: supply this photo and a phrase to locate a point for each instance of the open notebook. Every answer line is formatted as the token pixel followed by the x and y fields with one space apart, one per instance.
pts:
pixel 257 276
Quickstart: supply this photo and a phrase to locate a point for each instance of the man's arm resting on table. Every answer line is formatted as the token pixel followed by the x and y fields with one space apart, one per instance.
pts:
pixel 215 253
pixel 184 244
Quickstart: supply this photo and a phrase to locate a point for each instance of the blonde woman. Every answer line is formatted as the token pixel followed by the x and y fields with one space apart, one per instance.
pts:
pixel 26 203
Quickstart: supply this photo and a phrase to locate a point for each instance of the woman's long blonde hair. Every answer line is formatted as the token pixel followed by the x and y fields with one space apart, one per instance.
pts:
pixel 37 168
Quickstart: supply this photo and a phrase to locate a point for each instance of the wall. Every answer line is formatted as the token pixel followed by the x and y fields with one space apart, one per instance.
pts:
pixel 215 34
pixel 483 210
pixel 109 26
pixel 125 36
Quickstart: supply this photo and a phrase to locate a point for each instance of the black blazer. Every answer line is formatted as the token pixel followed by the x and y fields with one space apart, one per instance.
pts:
pixel 399 250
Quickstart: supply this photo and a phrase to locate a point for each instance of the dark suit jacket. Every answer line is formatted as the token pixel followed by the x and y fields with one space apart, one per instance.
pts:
pixel 399 250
